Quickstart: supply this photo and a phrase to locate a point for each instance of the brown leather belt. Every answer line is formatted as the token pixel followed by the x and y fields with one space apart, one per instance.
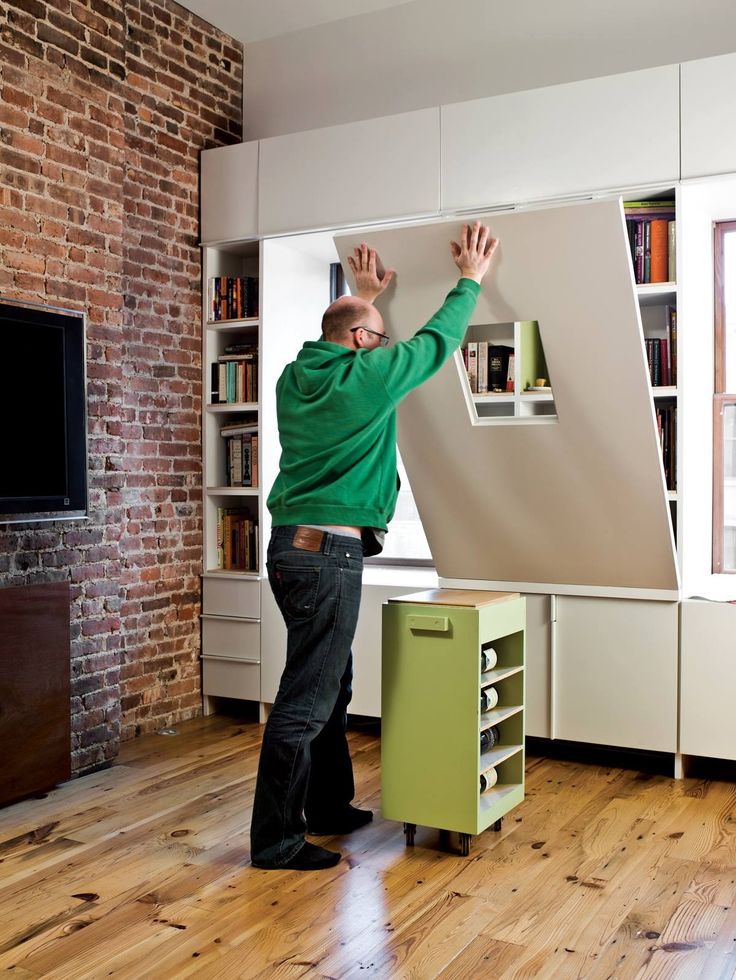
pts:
pixel 308 538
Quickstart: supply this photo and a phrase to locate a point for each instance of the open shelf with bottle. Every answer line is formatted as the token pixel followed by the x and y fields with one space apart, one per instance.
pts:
pixel 464 773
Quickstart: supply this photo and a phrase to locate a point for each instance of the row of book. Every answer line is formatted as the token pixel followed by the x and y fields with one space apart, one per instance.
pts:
pixel 237 540
pixel 234 375
pixel 667 427
pixel 662 353
pixel 233 297
pixel 650 226
pixel 241 454
pixel 490 367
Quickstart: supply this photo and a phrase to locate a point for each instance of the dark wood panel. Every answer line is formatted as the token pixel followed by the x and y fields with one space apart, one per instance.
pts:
pixel 35 729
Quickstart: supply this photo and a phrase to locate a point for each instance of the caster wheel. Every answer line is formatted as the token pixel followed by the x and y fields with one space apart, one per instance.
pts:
pixel 410 829
pixel 465 844
pixel 497 824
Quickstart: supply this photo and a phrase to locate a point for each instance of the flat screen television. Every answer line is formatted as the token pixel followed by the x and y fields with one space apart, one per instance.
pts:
pixel 43 413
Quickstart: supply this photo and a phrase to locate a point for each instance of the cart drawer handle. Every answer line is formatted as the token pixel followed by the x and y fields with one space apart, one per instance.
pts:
pixel 436 624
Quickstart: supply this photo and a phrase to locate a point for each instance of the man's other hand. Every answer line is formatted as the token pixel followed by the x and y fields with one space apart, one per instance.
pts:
pixel 370 277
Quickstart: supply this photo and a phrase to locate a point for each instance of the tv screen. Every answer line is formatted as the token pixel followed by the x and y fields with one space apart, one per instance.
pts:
pixel 43 413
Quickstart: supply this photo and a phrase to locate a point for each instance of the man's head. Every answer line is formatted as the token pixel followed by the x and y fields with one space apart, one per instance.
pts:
pixel 353 322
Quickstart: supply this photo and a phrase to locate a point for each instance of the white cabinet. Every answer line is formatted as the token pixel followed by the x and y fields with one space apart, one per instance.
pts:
pixel 708 679
pixel 374 170
pixel 616 672
pixel 562 140
pixel 229 190
pixel 708 116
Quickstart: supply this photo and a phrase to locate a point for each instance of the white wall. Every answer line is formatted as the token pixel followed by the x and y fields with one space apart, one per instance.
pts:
pixel 429 52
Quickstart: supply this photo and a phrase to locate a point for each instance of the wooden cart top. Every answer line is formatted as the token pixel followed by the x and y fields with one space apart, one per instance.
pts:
pixel 456 597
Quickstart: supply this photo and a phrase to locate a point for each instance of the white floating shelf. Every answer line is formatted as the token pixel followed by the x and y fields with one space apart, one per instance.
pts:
pixel 250 322
pixel 233 491
pixel 219 409
pixel 499 714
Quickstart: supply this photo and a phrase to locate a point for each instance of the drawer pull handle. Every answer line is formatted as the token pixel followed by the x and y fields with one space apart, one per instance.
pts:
pixel 432 624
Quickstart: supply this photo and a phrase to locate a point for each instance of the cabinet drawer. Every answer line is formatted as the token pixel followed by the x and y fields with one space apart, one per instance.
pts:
pixel 231 638
pixel 230 679
pixel 230 597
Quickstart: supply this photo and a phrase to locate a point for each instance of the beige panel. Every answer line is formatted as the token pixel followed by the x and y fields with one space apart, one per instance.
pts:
pixel 581 501
pixel 232 638
pixel 378 169
pixel 708 116
pixel 230 597
pixel 230 193
pixel 708 679
pixel 230 679
pixel 563 139
pixel 616 672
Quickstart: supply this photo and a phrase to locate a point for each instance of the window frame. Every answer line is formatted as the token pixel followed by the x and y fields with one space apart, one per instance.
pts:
pixel 721 398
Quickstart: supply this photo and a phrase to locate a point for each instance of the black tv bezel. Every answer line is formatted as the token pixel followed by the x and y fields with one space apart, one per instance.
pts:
pixel 74 505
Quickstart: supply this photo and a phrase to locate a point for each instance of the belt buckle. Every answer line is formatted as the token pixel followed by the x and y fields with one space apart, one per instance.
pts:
pixel 308 539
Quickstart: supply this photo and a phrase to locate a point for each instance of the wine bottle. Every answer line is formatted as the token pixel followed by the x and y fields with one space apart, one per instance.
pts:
pixel 488 738
pixel 488 698
pixel 488 779
pixel 488 659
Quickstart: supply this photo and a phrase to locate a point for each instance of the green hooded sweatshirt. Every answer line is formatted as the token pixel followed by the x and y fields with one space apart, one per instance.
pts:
pixel 336 412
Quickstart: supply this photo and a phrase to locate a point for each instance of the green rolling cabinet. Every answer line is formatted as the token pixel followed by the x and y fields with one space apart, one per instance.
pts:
pixel 431 718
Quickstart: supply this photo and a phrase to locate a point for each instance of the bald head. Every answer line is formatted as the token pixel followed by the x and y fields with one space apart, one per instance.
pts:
pixel 344 314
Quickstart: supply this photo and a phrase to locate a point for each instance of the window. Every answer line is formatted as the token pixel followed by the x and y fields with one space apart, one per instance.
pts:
pixel 724 400
pixel 405 542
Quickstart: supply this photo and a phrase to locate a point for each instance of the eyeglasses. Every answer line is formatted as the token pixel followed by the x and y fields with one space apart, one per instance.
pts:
pixel 383 342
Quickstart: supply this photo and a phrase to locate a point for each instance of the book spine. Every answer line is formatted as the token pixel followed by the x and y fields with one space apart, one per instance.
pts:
pixel 672 251
pixel 639 254
pixel 673 343
pixel 473 366
pixel 482 367
pixel 647 251
pixel 664 360
pixel 658 249
pixel 219 543
pixel 656 365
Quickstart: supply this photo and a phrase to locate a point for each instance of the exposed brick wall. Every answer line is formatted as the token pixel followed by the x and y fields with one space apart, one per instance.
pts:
pixel 104 107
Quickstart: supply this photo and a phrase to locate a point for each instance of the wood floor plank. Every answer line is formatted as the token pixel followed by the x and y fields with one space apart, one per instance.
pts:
pixel 143 871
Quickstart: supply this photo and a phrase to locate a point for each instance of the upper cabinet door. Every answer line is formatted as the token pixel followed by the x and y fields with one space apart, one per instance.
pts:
pixel 230 193
pixel 612 132
pixel 709 116
pixel 573 501
pixel 366 171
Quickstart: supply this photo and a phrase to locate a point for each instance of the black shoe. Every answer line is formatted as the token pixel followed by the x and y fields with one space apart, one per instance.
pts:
pixel 340 822
pixel 309 857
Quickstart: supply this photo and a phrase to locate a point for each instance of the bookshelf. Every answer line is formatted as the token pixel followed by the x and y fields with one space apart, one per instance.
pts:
pixel 652 228
pixel 518 352
pixel 231 473
pixel 432 753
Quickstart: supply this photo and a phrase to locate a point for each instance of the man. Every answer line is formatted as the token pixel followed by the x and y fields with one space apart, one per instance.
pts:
pixel 330 505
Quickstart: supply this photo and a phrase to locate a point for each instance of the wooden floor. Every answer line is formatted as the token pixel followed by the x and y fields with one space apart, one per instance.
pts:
pixel 143 871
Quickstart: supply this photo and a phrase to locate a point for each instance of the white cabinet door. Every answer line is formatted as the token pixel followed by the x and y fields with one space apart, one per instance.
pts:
pixel 230 193
pixel 708 679
pixel 373 170
pixel 537 664
pixel 616 672
pixel 709 116
pixel 617 131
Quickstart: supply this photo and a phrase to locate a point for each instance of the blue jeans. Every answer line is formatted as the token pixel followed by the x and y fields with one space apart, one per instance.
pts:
pixel 305 765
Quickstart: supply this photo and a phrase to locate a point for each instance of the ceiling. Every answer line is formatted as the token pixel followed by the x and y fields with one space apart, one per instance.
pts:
pixel 254 20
